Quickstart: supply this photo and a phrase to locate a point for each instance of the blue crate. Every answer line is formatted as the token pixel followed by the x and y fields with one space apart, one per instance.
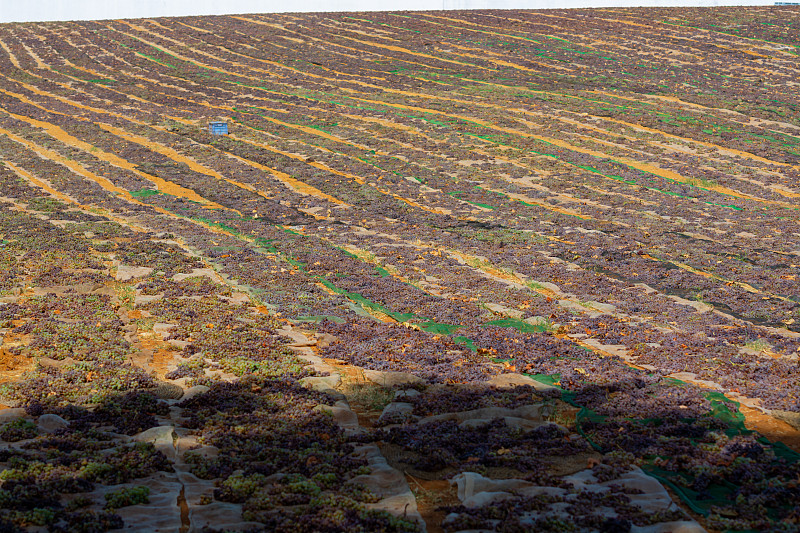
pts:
pixel 218 128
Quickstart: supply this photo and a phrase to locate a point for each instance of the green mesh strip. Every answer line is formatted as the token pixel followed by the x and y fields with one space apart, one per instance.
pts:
pixel 720 409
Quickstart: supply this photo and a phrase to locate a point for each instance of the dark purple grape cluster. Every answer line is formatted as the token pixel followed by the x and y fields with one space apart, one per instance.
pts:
pixel 398 348
pixel 457 398
pixel 225 337
pixel 192 369
pixel 284 460
pixel 87 521
pixel 440 445
pixel 576 510
pixel 82 341
pixel 127 496
pixel 20 429
pixel 524 348
pixel 613 465
pixel 329 514
pixel 193 286
pixel 47 467
pixel 128 414
pixel 84 308
pixel 82 383
pixel 161 257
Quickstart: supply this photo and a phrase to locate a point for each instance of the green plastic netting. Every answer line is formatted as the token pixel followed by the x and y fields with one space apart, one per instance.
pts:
pixel 719 494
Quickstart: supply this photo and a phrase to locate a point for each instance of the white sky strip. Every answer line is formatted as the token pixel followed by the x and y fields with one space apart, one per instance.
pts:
pixel 49 10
